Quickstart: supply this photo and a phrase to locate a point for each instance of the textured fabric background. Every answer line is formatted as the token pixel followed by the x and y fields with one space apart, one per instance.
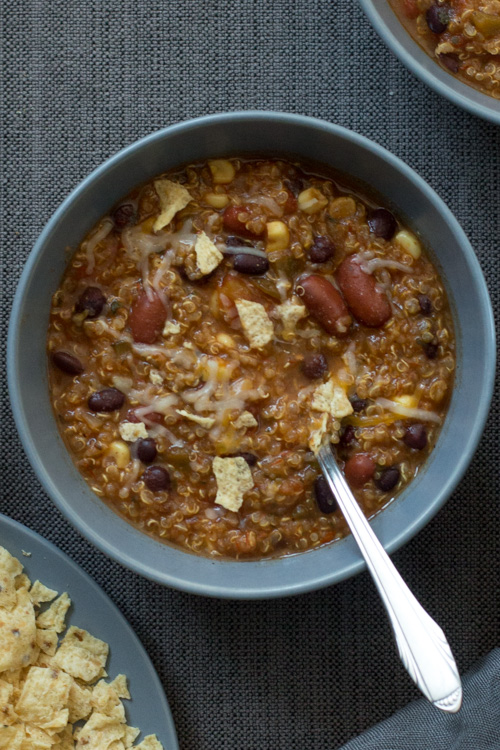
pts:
pixel 80 81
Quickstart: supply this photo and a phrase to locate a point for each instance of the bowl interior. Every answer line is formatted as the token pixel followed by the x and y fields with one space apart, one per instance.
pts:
pixel 217 136
pixel 392 31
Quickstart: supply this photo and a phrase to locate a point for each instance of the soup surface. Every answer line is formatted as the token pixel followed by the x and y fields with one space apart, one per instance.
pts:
pixel 224 321
pixel 462 35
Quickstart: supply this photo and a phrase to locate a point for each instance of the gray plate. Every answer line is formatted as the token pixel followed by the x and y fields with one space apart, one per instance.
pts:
pixel 91 609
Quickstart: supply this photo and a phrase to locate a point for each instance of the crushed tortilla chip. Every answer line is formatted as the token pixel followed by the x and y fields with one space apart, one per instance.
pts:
pixel 331 398
pixel 18 634
pixel 81 655
pixel 40 594
pixel 290 313
pixel 208 256
pixel 53 618
pixel 234 478
pixel 40 699
pixel 149 743
pixel 318 432
pixel 132 431
pixel 173 198
pixel 255 322
pixel 246 419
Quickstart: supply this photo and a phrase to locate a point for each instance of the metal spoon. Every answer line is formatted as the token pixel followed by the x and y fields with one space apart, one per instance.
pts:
pixel 422 645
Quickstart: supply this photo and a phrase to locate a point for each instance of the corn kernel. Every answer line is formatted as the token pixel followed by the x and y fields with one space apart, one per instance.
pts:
pixel 225 340
pixel 147 224
pixel 341 208
pixel 407 400
pixel 222 171
pixel 409 243
pixel 119 451
pixel 216 200
pixel 311 201
pixel 278 236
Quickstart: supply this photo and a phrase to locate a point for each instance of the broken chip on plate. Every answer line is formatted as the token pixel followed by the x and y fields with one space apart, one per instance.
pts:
pixel 47 684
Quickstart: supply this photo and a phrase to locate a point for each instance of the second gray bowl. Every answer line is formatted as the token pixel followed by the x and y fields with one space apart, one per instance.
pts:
pixel 231 134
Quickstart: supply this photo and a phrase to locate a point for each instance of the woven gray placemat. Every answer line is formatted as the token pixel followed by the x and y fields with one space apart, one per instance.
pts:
pixel 81 80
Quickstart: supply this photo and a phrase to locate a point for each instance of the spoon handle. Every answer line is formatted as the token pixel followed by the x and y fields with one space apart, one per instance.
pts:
pixel 422 645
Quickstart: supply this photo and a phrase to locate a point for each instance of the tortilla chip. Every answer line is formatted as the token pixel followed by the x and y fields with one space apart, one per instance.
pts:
pixel 99 732
pixel 290 313
pixel 66 741
pixel 331 398
pixel 131 734
pixel 119 684
pixel 44 697
pixel 234 478
pixel 318 432
pixel 54 617
pixel 246 419
pixel 18 634
pixel 22 582
pixel 105 700
pixel 9 569
pixel 173 198
pixel 81 655
pixel 150 743
pixel 255 322
pixel 40 593
pixel 11 738
pixel 36 739
pixel 7 714
pixel 46 640
pixel 79 702
pixel 208 256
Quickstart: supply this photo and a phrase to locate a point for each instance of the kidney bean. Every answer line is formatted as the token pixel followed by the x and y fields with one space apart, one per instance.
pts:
pixel 147 318
pixel 145 449
pixel 231 221
pixel 382 223
pixel 322 250
pixel 357 403
pixel 314 365
pixel 425 304
pixel 123 215
pixel 156 478
pixel 347 435
pixel 416 437
pixel 109 399
pixel 254 265
pixel 388 478
pixel 325 304
pixel 91 301
pixel 438 18
pixel 450 61
pixel 325 498
pixel 367 303
pixel 67 363
pixel 359 469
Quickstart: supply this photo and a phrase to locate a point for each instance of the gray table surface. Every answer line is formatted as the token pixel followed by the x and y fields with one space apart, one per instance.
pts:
pixel 81 80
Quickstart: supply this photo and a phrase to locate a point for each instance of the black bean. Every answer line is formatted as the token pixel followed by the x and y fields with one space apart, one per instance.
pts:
pixel 438 18
pixel 68 363
pixel 388 478
pixel 156 478
pixel 450 61
pixel 382 223
pixel 109 399
pixel 322 250
pixel 425 304
pixel 416 437
pixel 324 496
pixel 347 435
pixel 357 403
pixel 91 301
pixel 294 185
pixel 146 450
pixel 123 215
pixel 233 241
pixel 254 265
pixel 430 349
pixel 314 365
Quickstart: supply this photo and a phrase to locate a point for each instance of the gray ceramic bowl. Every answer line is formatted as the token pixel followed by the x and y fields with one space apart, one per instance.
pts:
pixel 219 135
pixel 392 31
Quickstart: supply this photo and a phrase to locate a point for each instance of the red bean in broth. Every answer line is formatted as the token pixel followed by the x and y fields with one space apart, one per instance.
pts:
pixel 325 304
pixel 365 300
pixel 147 318
pixel 67 363
pixel 359 469
pixel 232 222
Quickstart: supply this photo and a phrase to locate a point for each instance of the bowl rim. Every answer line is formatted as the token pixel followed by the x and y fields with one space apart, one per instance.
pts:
pixel 323 577
pixel 416 59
